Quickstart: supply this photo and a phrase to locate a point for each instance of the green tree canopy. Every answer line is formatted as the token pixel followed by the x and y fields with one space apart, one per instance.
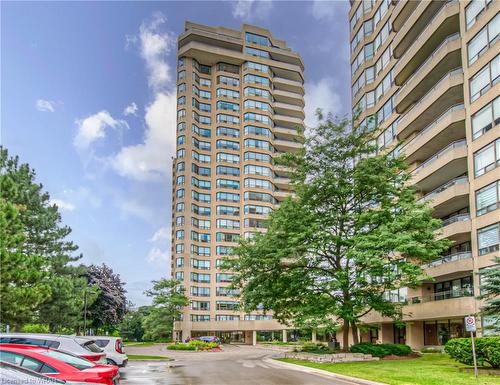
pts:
pixel 168 300
pixel 490 289
pixel 353 232
pixel 46 237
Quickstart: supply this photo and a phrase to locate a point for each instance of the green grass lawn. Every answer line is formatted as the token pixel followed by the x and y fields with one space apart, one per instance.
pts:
pixel 430 369
pixel 139 344
pixel 145 357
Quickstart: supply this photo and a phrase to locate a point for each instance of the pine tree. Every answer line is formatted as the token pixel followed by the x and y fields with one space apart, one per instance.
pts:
pixel 490 289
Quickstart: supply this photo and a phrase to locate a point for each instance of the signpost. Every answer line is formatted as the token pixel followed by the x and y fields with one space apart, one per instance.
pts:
pixel 470 326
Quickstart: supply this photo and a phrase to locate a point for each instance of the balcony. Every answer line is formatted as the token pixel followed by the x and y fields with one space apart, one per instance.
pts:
pixel 288 121
pixel 286 133
pixel 443 24
pixel 402 12
pixel 450 162
pixel 456 303
pixel 282 145
pixel 449 197
pixel 446 93
pixel 450 264
pixel 282 183
pixel 447 128
pixel 287 109
pixel 289 97
pixel 414 24
pixel 288 85
pixel 282 195
pixel 444 58
pixel 456 228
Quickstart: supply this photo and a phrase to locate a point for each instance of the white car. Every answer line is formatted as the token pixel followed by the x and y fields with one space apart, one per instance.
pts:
pixel 80 346
pixel 113 347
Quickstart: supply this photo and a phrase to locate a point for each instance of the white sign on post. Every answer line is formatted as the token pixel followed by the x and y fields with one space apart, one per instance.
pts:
pixel 470 324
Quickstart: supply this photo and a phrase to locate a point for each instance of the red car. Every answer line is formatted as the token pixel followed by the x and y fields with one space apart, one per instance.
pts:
pixel 59 364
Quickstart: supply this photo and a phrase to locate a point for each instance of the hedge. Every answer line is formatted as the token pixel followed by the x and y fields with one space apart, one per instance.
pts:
pixel 487 350
pixel 381 350
pixel 194 345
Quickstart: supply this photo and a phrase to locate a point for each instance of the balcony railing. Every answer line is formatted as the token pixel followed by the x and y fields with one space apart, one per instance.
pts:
pixel 450 38
pixel 436 86
pixel 430 126
pixel 432 21
pixel 458 293
pixel 447 185
pixel 449 258
pixel 440 154
pixel 456 218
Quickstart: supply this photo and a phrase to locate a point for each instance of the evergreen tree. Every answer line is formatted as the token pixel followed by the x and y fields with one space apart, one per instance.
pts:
pixel 353 232
pixel 490 289
pixel 46 237
pixel 168 299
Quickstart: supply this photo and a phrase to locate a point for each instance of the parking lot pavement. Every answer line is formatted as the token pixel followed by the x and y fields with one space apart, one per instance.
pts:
pixel 235 365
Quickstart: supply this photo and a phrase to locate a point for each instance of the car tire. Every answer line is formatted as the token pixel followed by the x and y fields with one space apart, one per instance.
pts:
pixel 111 362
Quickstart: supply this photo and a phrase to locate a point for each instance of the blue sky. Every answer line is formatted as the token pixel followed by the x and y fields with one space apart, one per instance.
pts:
pixel 87 99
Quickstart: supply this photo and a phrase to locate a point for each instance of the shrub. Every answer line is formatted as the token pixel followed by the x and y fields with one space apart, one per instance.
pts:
pixel 181 347
pixel 315 347
pixel 35 328
pixel 194 345
pixel 487 350
pixel 381 350
pixel 431 350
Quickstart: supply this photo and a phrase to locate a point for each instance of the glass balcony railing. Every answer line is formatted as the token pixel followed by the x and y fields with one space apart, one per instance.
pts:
pixel 457 293
pixel 449 258
pixel 447 185
pixel 455 71
pixel 449 39
pixel 440 154
pixel 455 218
pixel 429 127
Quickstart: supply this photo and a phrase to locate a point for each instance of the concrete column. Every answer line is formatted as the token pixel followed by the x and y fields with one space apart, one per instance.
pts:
pixel 313 336
pixel 284 336
pixel 254 337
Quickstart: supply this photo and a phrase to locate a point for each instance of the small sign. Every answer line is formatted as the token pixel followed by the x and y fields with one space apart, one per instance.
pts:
pixel 470 324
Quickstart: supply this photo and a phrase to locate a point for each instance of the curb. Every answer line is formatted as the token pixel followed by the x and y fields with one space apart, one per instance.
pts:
pixel 306 369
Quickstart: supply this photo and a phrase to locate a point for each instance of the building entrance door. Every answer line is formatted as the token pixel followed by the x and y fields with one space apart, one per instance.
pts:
pixel 431 335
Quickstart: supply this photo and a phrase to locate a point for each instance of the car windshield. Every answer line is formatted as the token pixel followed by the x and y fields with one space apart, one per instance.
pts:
pixel 75 361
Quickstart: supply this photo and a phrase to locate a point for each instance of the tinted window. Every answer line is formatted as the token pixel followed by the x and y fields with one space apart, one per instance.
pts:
pixel 32 364
pixel 47 369
pixel 91 346
pixel 102 343
pixel 11 358
pixel 29 341
pixel 75 361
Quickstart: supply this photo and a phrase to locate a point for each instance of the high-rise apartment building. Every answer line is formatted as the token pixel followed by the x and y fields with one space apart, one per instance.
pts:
pixel 427 73
pixel 240 104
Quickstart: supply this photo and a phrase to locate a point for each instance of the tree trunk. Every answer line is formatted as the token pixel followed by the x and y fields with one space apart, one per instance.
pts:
pixel 345 343
pixel 355 337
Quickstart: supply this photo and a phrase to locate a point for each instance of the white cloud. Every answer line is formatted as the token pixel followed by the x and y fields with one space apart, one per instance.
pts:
pixel 131 109
pixel 324 10
pixel 154 46
pixel 63 205
pixel 151 159
pixel 248 10
pixel 156 255
pixel 131 207
pixel 162 234
pixel 321 95
pixel 45 105
pixel 94 127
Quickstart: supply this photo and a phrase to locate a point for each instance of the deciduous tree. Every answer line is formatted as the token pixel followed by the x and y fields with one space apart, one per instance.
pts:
pixel 353 232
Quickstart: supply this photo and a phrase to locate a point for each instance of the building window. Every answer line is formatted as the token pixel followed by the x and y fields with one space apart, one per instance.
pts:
pixel 473 10
pixel 228 68
pixel 487 158
pixel 228 183
pixel 257 52
pixel 227 197
pixel 486 78
pixel 179 248
pixel 258 157
pixel 227 237
pixel 179 234
pixel 228 210
pixel 229 158
pixel 460 287
pixel 224 277
pixel 259 210
pixel 253 38
pixel 179 207
pixel 227 131
pixel 179 221
pixel 228 224
pixel 258 183
pixel 200 264
pixel 488 239
pixel 488 198
pixel 223 250
pixel 228 81
pixel 225 93
pixel 181 75
pixel 179 262
pixel 486 118
pixel 257 170
pixel 200 291
pixel 201 145
pixel 252 91
pixel 200 305
pixel 179 275
pixel 484 39
pixel 227 305
pixel 228 106
pixel 223 118
pixel 250 78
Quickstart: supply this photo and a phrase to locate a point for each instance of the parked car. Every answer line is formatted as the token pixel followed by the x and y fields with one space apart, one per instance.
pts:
pixel 113 347
pixel 15 375
pixel 80 346
pixel 58 364
pixel 208 339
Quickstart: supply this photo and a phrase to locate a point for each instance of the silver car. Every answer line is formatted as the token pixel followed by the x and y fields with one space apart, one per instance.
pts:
pixel 113 347
pixel 80 346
